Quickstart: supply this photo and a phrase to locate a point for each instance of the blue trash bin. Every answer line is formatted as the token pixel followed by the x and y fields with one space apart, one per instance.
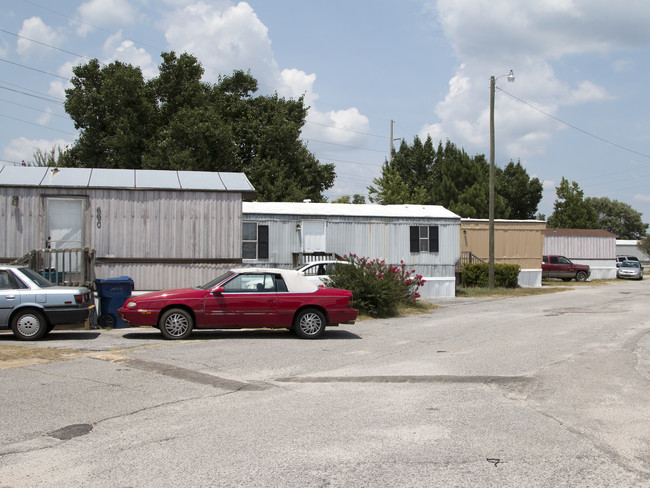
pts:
pixel 112 293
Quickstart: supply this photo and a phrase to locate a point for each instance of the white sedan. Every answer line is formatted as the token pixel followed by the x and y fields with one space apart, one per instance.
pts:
pixel 317 272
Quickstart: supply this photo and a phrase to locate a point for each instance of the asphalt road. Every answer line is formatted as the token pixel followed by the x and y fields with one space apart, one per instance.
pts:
pixel 543 391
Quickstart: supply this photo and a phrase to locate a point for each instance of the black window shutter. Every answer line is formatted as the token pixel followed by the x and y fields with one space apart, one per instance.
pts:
pixel 433 239
pixel 262 242
pixel 415 238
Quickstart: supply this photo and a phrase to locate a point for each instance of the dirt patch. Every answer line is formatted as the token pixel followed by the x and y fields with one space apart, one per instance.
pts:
pixel 18 356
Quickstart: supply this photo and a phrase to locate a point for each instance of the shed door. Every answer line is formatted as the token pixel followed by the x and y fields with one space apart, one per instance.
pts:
pixel 64 223
pixel 313 236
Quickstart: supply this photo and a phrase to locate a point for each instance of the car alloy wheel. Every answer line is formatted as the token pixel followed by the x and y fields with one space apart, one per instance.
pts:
pixel 309 323
pixel 176 323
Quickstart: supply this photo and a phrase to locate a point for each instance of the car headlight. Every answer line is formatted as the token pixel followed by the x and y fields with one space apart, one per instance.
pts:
pixel 131 305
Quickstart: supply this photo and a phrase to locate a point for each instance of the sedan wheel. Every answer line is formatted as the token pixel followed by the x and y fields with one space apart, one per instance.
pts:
pixel 176 323
pixel 29 325
pixel 309 323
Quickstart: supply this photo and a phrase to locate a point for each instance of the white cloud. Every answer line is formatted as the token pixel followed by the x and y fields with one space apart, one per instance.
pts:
pixel 225 37
pixel 587 92
pixel 104 13
pixel 296 83
pixel 118 49
pixel 22 149
pixel 58 87
pixel 642 198
pixel 36 30
pixel 490 37
pixel 338 126
pixel 45 117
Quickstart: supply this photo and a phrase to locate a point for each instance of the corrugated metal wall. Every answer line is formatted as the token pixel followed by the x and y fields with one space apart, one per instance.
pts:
pixel 125 226
pixel 581 247
pixel 515 242
pixel 373 238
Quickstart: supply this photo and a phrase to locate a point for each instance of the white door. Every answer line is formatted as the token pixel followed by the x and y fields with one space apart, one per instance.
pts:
pixel 64 223
pixel 313 236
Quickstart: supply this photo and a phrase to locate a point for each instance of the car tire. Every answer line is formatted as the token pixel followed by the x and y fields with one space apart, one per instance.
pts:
pixel 581 276
pixel 309 323
pixel 28 325
pixel 176 324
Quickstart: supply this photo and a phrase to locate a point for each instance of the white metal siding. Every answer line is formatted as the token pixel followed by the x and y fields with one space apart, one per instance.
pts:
pixel 581 247
pixel 366 237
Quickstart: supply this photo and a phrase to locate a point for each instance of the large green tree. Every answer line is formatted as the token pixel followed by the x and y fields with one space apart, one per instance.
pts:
pixel 521 192
pixel 619 218
pixel 448 176
pixel 570 210
pixel 114 111
pixel 176 121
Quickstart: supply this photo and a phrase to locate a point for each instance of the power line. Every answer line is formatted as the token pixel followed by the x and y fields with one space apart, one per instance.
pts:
pixel 347 130
pixel 35 109
pixel 81 22
pixel 575 127
pixel 344 145
pixel 374 165
pixel 33 69
pixel 43 44
pixel 47 99
pixel 37 125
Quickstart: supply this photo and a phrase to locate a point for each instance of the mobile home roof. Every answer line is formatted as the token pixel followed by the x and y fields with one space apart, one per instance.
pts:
pixel 35 176
pixel 348 210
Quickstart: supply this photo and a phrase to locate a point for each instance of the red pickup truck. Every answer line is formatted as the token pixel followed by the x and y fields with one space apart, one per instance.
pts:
pixel 563 268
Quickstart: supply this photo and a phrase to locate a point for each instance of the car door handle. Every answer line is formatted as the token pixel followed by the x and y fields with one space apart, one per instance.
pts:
pixel 10 297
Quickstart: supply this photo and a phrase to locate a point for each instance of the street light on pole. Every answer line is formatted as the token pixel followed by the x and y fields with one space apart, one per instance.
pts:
pixel 511 79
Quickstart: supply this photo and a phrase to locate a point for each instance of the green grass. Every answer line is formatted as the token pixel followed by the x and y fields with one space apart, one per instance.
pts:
pixel 476 292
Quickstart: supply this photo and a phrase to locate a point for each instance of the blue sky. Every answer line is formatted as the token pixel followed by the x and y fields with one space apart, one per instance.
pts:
pixel 579 107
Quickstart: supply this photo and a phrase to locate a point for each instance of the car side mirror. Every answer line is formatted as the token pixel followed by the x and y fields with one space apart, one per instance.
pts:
pixel 218 290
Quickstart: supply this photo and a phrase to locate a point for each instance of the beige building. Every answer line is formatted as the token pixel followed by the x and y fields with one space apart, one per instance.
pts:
pixel 515 242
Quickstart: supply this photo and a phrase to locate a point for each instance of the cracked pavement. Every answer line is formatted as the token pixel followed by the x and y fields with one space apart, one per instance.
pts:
pixel 542 391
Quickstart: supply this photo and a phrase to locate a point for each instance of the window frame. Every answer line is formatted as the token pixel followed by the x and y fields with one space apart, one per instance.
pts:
pixel 418 241
pixel 260 243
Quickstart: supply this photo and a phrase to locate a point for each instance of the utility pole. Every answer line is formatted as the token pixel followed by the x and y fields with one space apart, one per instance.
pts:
pixel 511 79
pixel 390 151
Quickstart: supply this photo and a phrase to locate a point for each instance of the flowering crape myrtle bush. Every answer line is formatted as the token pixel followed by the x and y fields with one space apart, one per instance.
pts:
pixel 378 288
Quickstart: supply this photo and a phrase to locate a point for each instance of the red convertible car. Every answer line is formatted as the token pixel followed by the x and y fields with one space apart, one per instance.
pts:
pixel 244 298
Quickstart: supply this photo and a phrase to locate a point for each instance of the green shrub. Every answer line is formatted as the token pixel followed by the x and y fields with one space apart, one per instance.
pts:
pixel 505 275
pixel 378 288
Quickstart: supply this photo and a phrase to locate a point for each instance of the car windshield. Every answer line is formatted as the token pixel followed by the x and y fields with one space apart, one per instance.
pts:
pixel 216 281
pixel 36 278
pixel 630 264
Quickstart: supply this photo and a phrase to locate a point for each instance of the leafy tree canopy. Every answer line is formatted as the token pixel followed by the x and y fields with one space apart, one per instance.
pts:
pixel 356 199
pixel 619 218
pixel 448 176
pixel 644 245
pixel 176 121
pixel 570 210
pixel 522 192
